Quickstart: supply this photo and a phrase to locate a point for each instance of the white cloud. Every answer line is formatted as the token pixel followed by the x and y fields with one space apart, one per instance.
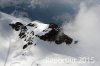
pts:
pixel 85 28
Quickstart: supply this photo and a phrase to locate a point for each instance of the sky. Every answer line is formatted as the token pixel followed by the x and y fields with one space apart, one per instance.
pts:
pixel 47 11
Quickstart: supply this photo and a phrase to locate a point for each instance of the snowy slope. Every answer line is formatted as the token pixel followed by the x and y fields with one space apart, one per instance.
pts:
pixel 5 35
pixel 44 53
pixel 39 51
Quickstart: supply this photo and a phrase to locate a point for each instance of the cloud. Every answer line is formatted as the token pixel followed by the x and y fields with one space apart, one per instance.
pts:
pixel 42 3
pixel 85 29
pixel 7 3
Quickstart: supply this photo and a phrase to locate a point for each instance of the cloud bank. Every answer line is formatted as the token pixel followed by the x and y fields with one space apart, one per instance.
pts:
pixel 85 28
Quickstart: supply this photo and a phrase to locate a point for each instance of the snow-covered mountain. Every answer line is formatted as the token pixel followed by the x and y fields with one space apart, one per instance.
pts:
pixel 33 43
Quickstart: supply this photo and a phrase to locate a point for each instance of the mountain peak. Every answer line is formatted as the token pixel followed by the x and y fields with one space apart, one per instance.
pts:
pixel 51 33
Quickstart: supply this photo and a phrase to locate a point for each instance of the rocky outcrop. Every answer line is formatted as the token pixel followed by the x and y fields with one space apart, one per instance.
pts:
pixel 54 35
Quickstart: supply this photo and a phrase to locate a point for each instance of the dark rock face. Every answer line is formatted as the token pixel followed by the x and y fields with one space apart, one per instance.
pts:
pixel 17 26
pixel 63 38
pixel 54 35
pixel 23 33
pixel 25 46
pixel 75 42
pixel 30 24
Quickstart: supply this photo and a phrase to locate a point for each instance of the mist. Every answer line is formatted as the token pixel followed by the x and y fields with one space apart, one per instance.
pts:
pixel 85 29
